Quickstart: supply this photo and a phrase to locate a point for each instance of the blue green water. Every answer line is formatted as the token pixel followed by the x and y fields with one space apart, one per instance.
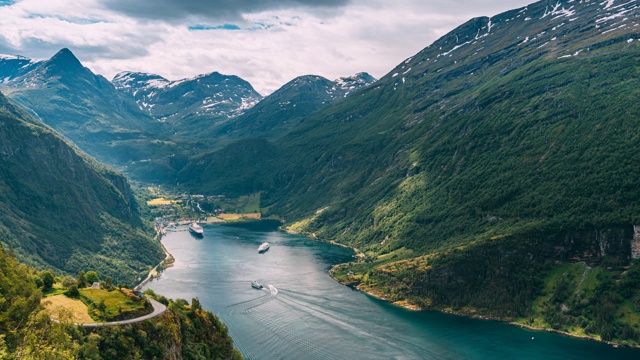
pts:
pixel 303 314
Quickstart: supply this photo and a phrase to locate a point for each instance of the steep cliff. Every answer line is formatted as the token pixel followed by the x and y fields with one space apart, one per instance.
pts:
pixel 62 210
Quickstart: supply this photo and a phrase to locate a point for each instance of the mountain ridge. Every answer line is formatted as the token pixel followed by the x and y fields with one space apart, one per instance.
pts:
pixel 503 140
pixel 12 66
pixel 191 104
pixel 87 109
pixel 77 103
pixel 283 110
pixel 63 210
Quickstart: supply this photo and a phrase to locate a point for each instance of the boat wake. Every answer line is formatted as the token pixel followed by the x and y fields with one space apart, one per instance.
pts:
pixel 273 289
pixel 260 300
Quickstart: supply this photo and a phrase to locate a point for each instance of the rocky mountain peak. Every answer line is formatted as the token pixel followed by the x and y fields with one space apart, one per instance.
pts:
pixel 131 82
pixel 354 82
pixel 210 97
pixel 64 60
pixel 12 66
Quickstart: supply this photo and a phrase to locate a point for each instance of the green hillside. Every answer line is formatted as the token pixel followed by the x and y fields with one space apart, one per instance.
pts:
pixel 476 168
pixel 62 210
pixel 26 331
pixel 288 106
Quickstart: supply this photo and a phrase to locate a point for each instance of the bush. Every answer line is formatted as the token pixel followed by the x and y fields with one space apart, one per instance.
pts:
pixel 91 277
pixel 48 279
pixel 73 291
pixel 68 281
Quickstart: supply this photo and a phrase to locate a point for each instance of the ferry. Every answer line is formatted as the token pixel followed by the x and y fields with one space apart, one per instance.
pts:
pixel 256 285
pixel 263 248
pixel 196 229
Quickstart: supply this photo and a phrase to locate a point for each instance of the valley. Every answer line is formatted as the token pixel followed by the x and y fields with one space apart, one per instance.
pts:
pixel 491 175
pixel 172 208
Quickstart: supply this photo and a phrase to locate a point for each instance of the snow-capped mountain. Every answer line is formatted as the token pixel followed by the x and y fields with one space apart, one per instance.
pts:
pixel 12 66
pixel 82 106
pixel 133 82
pixel 285 107
pixel 557 30
pixel 352 83
pixel 212 97
pixel 62 67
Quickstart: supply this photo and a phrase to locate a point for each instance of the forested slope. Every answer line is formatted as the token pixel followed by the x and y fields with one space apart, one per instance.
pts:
pixel 26 331
pixel 62 210
pixel 476 169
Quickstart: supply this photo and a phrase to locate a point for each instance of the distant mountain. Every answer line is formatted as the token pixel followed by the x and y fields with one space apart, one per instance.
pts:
pixel 352 83
pixel 287 106
pixel 60 209
pixel 79 104
pixel 190 106
pixel 474 174
pixel 87 109
pixel 12 66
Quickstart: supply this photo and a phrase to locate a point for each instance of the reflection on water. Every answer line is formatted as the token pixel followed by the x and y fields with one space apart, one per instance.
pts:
pixel 303 314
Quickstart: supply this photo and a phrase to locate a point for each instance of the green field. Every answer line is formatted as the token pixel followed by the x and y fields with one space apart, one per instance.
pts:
pixel 242 205
pixel 116 303
pixel 56 289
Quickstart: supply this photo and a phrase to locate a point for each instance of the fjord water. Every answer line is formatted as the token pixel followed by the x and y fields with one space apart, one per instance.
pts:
pixel 303 314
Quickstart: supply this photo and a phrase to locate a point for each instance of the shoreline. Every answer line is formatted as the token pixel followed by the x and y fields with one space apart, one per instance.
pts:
pixel 153 273
pixel 413 307
pixel 539 329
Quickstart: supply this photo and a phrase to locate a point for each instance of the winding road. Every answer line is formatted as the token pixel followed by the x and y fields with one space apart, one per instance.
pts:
pixel 158 309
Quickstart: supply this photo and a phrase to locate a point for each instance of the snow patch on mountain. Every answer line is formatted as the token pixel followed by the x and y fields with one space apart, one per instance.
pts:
pixel 13 57
pixel 357 81
pixel 212 95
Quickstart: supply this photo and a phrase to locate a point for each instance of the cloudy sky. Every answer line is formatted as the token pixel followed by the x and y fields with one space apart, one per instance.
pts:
pixel 267 42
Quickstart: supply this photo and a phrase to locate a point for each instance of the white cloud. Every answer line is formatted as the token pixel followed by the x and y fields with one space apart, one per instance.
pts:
pixel 366 35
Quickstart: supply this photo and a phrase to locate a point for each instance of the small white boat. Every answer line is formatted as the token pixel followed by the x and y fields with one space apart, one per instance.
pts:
pixel 256 285
pixel 196 229
pixel 263 248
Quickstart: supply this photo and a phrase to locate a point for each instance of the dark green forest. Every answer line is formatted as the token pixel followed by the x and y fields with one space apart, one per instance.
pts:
pixel 61 209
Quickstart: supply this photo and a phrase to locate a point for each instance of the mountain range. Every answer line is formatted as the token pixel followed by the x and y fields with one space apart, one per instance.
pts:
pixel 474 174
pixel 144 124
pixel 82 106
pixel 190 105
pixel 287 107
pixel 221 106
pixel 12 66
pixel 490 174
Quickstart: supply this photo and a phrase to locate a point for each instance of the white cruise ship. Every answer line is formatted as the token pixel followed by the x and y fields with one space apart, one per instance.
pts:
pixel 264 247
pixel 196 229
